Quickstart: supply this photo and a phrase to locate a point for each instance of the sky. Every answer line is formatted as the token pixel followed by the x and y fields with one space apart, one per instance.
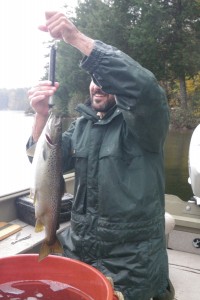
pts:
pixel 22 48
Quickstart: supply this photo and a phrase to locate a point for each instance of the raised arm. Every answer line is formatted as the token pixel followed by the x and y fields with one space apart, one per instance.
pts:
pixel 62 28
pixel 59 27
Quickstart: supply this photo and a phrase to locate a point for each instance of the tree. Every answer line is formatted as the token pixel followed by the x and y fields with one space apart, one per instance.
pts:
pixel 70 76
pixel 165 38
pixel 163 35
pixel 106 20
pixel 91 18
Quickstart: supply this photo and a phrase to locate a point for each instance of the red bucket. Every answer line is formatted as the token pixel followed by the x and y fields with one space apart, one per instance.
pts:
pixel 80 276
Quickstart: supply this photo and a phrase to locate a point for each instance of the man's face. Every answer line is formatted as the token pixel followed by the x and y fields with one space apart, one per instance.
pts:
pixel 101 102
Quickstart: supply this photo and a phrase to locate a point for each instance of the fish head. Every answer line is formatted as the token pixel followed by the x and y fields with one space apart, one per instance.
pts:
pixel 53 130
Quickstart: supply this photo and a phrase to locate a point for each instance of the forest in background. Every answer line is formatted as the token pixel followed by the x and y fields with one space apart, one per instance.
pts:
pixel 14 99
pixel 162 35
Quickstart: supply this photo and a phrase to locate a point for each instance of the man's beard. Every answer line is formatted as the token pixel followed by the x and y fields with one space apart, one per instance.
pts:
pixel 104 107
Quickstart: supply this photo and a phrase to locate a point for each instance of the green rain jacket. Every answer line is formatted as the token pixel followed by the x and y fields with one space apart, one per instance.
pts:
pixel 117 219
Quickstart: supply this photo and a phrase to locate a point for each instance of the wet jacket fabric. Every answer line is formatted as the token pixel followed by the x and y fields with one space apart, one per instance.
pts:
pixel 117 220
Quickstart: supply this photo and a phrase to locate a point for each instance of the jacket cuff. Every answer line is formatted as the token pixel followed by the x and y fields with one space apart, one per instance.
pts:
pixel 91 62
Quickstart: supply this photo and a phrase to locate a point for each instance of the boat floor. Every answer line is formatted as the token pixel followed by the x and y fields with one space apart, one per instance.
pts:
pixel 184 270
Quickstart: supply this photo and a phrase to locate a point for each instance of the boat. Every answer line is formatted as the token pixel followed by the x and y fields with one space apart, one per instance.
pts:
pixel 183 241
pixel 182 229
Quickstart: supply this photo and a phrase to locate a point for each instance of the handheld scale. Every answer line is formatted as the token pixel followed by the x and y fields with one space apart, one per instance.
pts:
pixel 52 69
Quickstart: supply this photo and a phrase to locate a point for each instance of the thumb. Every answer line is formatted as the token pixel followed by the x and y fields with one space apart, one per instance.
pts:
pixel 43 28
pixel 48 15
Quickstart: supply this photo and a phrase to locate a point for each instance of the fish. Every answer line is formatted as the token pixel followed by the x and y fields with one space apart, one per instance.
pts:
pixel 48 186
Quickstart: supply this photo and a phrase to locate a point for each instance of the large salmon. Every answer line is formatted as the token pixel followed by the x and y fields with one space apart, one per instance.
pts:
pixel 47 186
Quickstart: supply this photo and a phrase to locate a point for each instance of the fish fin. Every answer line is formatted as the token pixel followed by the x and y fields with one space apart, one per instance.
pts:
pixel 44 155
pixel 34 200
pixel 45 152
pixel 32 196
pixel 55 248
pixel 38 226
pixel 30 151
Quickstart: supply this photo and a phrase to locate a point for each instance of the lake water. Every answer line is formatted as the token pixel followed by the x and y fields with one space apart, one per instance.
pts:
pixel 176 164
pixel 15 129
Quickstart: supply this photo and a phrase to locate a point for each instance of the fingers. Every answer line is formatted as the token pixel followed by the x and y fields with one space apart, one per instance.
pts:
pixel 54 22
pixel 39 96
pixel 40 91
pixel 55 28
pixel 44 87
pixel 59 26
pixel 49 14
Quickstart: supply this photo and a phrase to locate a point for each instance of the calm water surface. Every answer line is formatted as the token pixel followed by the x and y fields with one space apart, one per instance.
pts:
pixel 15 129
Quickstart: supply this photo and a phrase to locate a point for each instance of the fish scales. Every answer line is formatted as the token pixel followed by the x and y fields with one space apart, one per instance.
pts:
pixel 47 186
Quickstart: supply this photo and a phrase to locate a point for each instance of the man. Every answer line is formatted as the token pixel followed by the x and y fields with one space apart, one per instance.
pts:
pixel 116 148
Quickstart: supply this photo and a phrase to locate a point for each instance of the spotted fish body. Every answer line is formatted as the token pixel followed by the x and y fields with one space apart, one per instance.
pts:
pixel 48 184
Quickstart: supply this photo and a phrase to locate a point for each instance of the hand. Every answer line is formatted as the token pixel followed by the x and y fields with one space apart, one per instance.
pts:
pixel 62 28
pixel 39 100
pixel 59 27
pixel 39 96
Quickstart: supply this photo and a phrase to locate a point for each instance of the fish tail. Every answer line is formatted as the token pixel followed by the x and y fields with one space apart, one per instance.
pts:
pixel 46 249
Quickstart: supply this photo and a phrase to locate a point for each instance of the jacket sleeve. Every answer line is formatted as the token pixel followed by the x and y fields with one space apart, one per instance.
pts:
pixel 138 94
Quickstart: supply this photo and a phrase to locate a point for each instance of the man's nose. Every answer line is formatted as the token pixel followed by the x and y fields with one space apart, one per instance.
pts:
pixel 94 85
